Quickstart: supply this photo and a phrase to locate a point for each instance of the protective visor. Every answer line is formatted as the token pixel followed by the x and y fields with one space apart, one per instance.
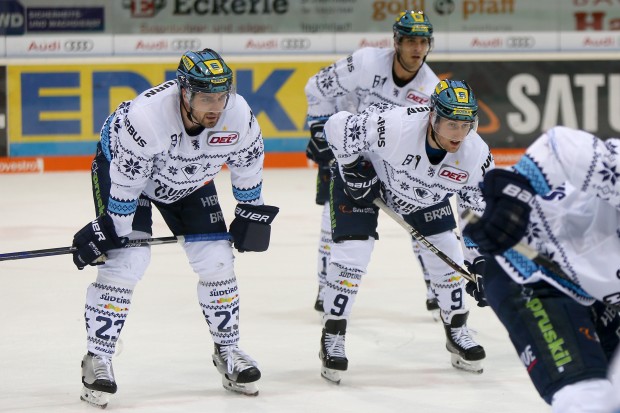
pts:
pixel 211 102
pixel 454 124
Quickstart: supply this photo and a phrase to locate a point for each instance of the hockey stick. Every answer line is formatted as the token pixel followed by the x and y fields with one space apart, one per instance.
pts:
pixel 422 240
pixel 20 255
pixel 528 252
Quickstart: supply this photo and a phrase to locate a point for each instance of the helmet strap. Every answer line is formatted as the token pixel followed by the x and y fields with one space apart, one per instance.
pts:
pixel 435 139
pixel 190 115
pixel 434 119
pixel 400 60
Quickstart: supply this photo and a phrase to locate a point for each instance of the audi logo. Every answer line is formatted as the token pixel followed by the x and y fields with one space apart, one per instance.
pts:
pixel 79 45
pixel 520 42
pixel 185 44
pixel 295 44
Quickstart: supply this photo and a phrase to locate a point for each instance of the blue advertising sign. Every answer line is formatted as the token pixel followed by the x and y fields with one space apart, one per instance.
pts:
pixel 11 18
pixel 63 19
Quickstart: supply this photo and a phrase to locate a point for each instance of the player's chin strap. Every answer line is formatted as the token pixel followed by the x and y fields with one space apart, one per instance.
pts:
pixel 422 240
pixel 400 61
pixel 433 137
pixel 190 115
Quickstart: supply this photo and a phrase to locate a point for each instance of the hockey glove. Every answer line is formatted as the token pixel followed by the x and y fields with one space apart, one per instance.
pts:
pixel 361 182
pixel 251 228
pixel 476 289
pixel 508 198
pixel 318 149
pixel 94 240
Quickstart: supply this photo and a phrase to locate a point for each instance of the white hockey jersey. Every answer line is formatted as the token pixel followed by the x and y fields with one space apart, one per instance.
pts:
pixel 575 220
pixel 361 79
pixel 395 142
pixel 150 153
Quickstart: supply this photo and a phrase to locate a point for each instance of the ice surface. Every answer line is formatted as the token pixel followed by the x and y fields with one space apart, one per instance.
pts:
pixel 397 358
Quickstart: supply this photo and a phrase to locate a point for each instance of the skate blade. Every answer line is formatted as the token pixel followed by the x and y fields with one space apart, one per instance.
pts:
pixel 469 366
pixel 331 375
pixel 248 389
pixel 95 398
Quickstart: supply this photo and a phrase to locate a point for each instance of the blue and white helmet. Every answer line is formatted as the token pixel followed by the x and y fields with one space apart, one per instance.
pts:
pixel 455 100
pixel 206 72
pixel 413 24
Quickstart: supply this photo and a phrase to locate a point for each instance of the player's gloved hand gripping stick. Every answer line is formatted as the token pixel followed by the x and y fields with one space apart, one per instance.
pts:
pixel 528 252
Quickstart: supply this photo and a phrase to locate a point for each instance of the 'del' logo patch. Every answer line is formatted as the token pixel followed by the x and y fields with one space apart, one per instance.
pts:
pixel 223 138
pixel 453 174
pixel 417 98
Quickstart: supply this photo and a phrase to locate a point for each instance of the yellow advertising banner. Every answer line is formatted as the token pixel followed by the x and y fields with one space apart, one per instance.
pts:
pixel 59 109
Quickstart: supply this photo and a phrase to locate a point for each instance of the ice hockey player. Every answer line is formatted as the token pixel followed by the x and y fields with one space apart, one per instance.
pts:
pixel 397 76
pixel 164 148
pixel 562 199
pixel 414 158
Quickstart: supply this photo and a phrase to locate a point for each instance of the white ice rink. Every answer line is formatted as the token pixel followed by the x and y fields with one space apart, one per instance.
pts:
pixel 397 358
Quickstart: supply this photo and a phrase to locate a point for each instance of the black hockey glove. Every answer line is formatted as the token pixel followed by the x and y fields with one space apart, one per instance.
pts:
pixel 476 289
pixel 94 240
pixel 251 228
pixel 361 182
pixel 508 198
pixel 318 149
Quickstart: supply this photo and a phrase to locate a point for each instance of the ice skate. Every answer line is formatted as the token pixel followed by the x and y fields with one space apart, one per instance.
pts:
pixel 332 353
pixel 318 303
pixel 432 306
pixel 98 380
pixel 466 354
pixel 239 372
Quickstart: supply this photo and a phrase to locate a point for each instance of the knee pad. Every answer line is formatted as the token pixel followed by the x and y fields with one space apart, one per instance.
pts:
pixel 125 266
pixel 349 261
pixel 553 334
pixel 451 246
pixel 208 259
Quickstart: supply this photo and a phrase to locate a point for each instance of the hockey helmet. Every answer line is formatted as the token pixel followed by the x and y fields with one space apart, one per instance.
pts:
pixel 413 23
pixel 205 72
pixel 454 99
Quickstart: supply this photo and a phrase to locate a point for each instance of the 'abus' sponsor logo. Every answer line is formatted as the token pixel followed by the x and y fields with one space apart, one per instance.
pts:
pixel 74 46
pixel 520 42
pixel 185 44
pixel 158 89
pixel 222 138
pixel 298 43
pixel 453 174
pixel 417 109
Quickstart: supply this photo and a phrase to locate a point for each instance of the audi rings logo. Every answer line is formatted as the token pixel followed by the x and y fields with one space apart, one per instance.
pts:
pixel 520 42
pixel 185 44
pixel 298 43
pixel 76 46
